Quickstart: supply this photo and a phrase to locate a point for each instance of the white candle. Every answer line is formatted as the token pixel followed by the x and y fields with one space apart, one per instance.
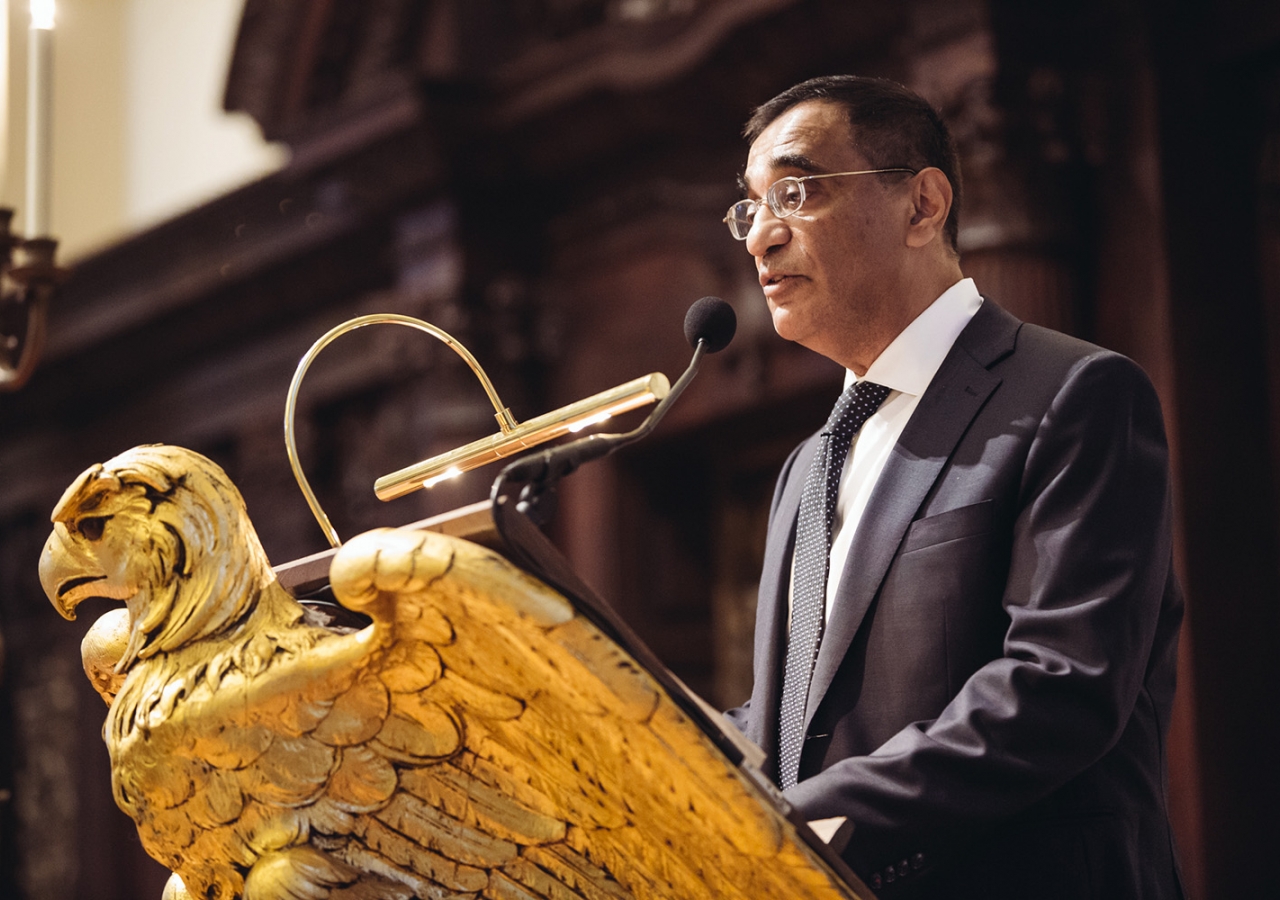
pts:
pixel 39 117
pixel 4 92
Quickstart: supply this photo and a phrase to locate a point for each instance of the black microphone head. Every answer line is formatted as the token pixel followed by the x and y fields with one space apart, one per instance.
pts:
pixel 711 320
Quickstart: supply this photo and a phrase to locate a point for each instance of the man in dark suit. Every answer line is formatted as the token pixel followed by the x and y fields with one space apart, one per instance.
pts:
pixel 974 669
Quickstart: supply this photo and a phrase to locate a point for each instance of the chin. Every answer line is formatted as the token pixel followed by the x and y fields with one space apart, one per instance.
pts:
pixel 785 325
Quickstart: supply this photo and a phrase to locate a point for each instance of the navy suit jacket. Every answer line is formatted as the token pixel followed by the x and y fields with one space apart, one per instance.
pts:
pixel 991 698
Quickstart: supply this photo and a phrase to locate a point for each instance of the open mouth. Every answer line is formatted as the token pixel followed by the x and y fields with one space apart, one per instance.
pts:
pixel 74 591
pixel 72 583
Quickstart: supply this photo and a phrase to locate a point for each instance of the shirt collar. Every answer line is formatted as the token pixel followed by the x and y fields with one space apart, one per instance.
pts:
pixel 911 360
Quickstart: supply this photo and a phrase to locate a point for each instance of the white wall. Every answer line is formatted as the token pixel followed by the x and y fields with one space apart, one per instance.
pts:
pixel 182 148
pixel 139 133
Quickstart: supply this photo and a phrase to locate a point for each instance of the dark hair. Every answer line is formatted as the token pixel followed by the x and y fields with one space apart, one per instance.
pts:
pixel 892 126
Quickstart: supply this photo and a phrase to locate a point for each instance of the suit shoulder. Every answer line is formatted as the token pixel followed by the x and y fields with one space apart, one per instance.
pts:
pixel 1049 350
pixel 996 337
pixel 1041 368
pixel 1080 382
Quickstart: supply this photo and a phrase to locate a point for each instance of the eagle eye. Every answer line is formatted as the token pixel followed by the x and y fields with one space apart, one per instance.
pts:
pixel 91 527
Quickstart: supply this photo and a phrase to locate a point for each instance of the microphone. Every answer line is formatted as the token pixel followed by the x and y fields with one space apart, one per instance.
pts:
pixel 709 326
pixel 711 320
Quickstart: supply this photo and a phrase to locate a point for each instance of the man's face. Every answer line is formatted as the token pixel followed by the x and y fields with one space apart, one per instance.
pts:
pixel 830 271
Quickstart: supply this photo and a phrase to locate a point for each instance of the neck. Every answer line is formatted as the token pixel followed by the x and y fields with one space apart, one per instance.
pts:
pixel 914 293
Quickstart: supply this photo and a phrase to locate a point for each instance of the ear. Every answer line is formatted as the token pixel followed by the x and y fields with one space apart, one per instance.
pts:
pixel 931 196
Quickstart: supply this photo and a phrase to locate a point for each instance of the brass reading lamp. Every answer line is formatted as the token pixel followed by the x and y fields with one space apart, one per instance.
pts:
pixel 512 437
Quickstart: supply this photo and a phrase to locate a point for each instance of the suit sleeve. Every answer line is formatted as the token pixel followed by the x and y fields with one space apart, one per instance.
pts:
pixel 1090 554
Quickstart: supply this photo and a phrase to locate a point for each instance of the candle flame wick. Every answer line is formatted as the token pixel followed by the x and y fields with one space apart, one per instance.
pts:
pixel 42 14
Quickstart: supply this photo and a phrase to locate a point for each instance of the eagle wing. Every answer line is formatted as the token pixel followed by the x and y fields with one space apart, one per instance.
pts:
pixel 574 774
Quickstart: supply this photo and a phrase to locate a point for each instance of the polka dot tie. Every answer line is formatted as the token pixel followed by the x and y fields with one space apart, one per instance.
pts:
pixel 809 575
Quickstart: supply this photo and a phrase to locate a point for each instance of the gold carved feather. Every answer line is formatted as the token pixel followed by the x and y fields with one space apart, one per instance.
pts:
pixel 480 738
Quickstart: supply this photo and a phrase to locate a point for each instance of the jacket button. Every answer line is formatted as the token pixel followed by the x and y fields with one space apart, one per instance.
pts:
pixel 876 883
pixel 890 876
pixel 917 862
pixel 904 869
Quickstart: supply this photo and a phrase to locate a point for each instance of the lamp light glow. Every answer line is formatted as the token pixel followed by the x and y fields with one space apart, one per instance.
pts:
pixel 587 423
pixel 452 472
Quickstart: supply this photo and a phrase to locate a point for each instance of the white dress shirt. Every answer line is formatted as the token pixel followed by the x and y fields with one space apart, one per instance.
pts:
pixel 906 367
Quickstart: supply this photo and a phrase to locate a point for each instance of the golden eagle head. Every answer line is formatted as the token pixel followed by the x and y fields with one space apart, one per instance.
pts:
pixel 164 530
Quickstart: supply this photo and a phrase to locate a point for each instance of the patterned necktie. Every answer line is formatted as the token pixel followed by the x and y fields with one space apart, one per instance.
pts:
pixel 810 568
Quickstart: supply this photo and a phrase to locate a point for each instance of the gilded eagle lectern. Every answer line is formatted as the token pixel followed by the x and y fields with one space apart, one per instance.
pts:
pixel 481 737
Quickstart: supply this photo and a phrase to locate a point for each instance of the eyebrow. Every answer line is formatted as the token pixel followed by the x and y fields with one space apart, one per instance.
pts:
pixel 785 161
pixel 796 161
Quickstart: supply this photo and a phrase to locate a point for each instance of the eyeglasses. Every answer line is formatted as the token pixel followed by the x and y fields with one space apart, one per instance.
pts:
pixel 785 197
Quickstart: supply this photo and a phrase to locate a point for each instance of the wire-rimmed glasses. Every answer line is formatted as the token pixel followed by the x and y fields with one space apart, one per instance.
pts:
pixel 785 197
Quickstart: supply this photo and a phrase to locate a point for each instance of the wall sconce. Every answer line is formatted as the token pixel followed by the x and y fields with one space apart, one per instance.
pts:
pixel 28 282
pixel 28 279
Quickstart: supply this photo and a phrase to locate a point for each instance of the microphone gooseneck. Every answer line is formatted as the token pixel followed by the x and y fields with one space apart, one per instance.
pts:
pixel 709 326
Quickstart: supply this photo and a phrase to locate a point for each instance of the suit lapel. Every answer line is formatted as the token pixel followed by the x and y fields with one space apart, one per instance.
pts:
pixel 959 389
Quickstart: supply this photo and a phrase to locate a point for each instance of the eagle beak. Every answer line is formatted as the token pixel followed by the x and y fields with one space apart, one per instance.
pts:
pixel 62 574
pixel 55 550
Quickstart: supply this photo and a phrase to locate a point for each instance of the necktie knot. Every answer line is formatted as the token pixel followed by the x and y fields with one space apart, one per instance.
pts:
pixel 855 406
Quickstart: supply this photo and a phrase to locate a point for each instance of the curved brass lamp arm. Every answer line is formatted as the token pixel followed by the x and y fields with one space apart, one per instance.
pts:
pixel 502 414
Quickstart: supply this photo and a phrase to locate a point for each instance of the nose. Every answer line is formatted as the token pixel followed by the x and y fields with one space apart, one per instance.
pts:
pixel 767 232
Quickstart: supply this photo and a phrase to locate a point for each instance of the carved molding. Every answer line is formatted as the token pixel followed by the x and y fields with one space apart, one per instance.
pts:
pixel 303 69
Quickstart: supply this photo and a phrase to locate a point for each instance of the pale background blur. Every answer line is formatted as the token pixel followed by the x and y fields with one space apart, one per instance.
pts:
pixel 139 133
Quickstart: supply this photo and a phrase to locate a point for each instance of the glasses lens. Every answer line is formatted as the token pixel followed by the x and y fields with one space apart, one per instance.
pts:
pixel 741 214
pixel 786 197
